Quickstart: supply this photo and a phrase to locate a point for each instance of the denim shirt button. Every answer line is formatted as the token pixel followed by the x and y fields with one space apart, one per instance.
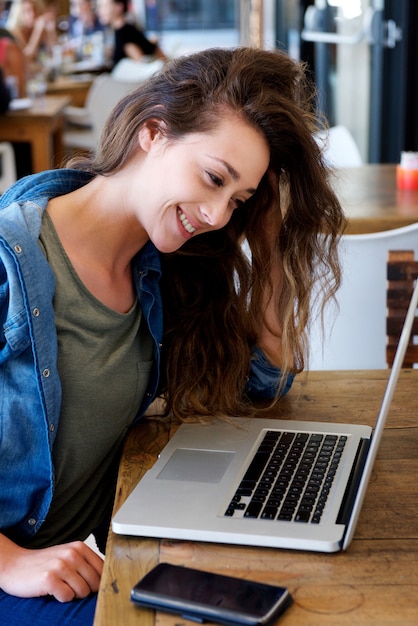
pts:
pixel 31 521
pixel 36 312
pixel 17 249
pixel 52 428
pixel 46 373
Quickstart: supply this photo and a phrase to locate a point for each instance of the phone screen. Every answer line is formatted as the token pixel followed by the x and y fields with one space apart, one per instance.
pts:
pixel 203 594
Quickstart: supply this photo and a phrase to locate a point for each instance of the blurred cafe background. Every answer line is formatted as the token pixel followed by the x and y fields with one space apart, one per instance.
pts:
pixel 362 54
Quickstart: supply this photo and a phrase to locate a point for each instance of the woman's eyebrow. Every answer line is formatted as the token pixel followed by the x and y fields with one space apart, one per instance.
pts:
pixel 232 171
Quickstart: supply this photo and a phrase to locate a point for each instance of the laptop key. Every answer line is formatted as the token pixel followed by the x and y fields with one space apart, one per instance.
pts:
pixel 256 466
pixel 302 516
pixel 269 512
pixel 253 509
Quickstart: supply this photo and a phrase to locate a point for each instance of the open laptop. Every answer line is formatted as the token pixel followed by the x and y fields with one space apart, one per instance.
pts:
pixel 273 483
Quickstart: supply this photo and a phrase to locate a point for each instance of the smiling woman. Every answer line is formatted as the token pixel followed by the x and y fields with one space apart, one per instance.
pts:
pixel 130 280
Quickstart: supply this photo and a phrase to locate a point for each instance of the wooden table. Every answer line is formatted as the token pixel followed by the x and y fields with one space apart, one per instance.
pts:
pixel 371 200
pixel 374 582
pixel 88 65
pixel 42 126
pixel 75 87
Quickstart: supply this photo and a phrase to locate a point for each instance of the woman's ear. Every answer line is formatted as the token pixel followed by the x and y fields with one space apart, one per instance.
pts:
pixel 150 133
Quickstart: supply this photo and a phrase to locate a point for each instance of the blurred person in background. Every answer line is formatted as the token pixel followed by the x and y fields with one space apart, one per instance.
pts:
pixel 83 19
pixel 34 25
pixel 13 62
pixel 129 41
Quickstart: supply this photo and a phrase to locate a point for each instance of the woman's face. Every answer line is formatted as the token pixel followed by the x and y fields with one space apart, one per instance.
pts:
pixel 196 183
pixel 28 14
pixel 107 11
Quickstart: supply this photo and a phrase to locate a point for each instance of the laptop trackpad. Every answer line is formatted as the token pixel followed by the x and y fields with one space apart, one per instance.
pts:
pixel 202 466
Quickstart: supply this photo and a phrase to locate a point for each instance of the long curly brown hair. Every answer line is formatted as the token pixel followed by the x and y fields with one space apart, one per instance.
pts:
pixel 213 290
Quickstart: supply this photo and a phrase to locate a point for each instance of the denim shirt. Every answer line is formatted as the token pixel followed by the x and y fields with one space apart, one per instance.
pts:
pixel 30 388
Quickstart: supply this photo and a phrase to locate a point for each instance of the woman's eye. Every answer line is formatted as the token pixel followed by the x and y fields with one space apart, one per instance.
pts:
pixel 216 180
pixel 237 204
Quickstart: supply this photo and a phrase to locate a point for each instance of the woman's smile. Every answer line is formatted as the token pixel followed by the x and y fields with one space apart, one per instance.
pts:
pixel 185 222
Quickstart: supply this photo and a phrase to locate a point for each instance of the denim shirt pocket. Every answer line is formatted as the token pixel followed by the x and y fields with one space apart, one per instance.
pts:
pixel 16 335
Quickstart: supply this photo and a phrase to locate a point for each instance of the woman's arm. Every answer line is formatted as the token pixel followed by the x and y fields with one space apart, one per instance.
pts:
pixel 31 49
pixel 66 571
pixel 269 336
pixel 133 51
pixel 270 331
pixel 266 379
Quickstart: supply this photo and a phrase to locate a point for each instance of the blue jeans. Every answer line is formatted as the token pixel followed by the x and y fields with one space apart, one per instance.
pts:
pixel 46 611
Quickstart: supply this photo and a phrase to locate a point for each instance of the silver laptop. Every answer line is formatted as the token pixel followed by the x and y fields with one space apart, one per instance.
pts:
pixel 273 483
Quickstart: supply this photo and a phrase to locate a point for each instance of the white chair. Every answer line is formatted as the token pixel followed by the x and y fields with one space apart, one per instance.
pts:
pixel 339 147
pixel 8 174
pixel 355 335
pixel 137 71
pixel 88 121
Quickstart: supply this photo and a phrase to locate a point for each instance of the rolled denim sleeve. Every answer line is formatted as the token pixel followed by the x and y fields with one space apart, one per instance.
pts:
pixel 265 378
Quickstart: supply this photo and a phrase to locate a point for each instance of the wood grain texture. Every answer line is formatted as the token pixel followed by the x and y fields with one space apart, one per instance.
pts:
pixel 41 126
pixel 371 200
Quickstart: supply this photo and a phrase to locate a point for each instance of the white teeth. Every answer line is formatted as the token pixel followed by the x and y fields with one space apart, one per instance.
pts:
pixel 183 219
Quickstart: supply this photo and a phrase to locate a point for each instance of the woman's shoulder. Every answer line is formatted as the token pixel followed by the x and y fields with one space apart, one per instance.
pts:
pixel 47 184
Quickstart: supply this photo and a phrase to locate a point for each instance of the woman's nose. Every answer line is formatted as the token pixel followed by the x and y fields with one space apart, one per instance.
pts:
pixel 216 213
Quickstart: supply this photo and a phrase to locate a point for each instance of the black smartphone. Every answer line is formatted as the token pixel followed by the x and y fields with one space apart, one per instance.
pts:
pixel 203 596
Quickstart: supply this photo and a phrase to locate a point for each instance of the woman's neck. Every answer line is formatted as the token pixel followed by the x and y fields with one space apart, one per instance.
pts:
pixel 97 217
pixel 100 240
pixel 118 22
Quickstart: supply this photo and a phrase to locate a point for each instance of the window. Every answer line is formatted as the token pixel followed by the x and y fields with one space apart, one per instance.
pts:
pixel 163 15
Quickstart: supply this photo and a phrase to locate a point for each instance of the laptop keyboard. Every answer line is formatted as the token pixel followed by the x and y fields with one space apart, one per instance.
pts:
pixel 289 477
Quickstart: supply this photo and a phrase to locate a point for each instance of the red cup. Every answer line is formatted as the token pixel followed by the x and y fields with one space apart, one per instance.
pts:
pixel 406 179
